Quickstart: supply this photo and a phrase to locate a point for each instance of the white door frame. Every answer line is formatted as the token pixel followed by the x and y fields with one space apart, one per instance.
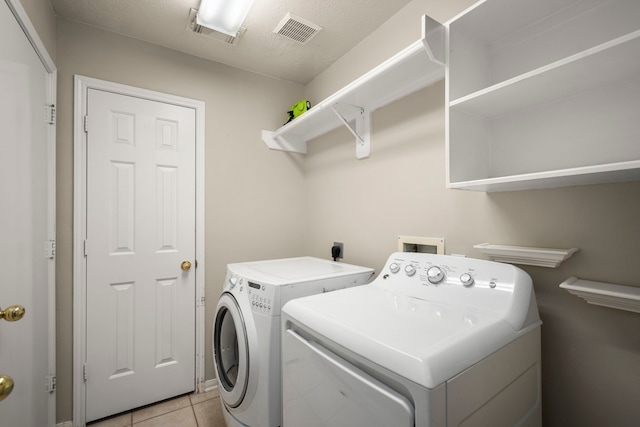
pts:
pixel 32 35
pixel 81 85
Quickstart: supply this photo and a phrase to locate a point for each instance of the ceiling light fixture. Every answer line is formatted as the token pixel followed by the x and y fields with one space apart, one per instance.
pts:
pixel 225 16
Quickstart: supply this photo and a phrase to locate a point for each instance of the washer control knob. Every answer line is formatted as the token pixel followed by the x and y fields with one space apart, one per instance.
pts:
pixel 233 280
pixel 435 275
pixel 466 279
pixel 394 267
pixel 410 270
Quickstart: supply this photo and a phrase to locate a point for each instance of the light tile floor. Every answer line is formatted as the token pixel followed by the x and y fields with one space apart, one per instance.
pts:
pixel 190 410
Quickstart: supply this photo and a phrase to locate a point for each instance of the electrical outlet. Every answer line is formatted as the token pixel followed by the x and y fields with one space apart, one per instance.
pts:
pixel 341 251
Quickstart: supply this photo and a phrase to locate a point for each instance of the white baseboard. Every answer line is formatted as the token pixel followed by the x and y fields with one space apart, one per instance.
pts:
pixel 209 385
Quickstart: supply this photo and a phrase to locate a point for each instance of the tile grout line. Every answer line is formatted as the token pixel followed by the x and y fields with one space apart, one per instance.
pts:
pixel 131 422
pixel 194 413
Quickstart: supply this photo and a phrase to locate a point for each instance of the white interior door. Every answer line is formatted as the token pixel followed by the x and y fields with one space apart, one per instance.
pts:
pixel 26 345
pixel 140 315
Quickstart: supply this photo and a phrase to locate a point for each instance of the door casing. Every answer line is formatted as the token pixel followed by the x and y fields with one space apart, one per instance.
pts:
pixel 81 85
pixel 32 35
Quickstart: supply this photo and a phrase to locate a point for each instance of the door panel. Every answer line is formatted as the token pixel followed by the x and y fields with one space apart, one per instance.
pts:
pixel 322 390
pixel 24 217
pixel 140 228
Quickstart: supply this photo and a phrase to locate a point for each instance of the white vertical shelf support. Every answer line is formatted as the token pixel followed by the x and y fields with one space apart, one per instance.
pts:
pixel 414 68
pixel 361 128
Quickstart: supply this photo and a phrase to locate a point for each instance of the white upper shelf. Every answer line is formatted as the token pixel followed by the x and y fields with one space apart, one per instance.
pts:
pixel 414 68
pixel 608 63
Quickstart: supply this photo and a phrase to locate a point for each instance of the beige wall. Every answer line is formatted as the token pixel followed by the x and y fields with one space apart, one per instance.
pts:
pixel 591 354
pixel 287 205
pixel 253 195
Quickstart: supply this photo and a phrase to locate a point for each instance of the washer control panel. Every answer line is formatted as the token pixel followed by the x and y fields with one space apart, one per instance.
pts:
pixel 261 297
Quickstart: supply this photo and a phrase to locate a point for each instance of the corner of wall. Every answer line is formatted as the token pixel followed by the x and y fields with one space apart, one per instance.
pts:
pixel 43 18
pixel 395 34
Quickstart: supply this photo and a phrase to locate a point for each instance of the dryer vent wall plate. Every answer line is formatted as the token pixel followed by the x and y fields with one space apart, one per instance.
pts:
pixel 425 245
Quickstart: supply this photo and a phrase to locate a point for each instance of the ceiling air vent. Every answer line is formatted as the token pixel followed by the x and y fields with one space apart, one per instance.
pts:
pixel 297 29
pixel 192 25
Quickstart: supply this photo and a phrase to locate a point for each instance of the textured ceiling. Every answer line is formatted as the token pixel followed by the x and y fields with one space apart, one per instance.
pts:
pixel 164 22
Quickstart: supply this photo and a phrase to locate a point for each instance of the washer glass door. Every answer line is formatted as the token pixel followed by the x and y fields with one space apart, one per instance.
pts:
pixel 231 350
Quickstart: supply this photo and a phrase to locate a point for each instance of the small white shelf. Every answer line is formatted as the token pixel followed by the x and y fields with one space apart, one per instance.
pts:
pixel 597 174
pixel 540 257
pixel 412 69
pixel 620 297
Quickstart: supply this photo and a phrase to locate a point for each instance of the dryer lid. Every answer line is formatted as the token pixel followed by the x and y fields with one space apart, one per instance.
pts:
pixel 423 341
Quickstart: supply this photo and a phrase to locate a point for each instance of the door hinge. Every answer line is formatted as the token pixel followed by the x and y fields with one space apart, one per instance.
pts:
pixel 86 123
pixel 51 383
pixel 84 372
pixel 50 249
pixel 50 114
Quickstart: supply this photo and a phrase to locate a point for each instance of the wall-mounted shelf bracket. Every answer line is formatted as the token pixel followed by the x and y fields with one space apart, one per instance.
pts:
pixel 280 143
pixel 359 126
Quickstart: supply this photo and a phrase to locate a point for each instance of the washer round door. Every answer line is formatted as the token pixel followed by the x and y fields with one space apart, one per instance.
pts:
pixel 231 350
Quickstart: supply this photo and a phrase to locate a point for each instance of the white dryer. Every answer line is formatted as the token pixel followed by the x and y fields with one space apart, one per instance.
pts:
pixel 433 341
pixel 246 329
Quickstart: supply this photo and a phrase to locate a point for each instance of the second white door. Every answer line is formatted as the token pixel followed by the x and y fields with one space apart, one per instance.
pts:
pixel 140 244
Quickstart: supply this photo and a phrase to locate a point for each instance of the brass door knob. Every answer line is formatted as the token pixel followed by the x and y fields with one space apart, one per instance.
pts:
pixel 185 265
pixel 6 386
pixel 13 313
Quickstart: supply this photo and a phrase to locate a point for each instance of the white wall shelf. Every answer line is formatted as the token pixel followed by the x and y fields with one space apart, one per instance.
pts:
pixel 543 94
pixel 414 68
pixel 620 297
pixel 540 257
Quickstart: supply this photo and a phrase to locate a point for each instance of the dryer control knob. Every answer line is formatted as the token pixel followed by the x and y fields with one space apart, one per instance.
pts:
pixel 394 267
pixel 435 275
pixel 410 270
pixel 466 279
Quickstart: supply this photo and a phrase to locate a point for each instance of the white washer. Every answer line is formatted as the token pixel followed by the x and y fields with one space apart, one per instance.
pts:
pixel 434 340
pixel 246 330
